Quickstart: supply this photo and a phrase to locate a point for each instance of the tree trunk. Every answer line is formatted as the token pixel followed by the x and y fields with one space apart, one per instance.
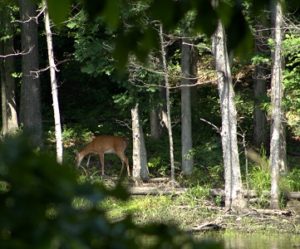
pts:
pixel 260 132
pixel 260 120
pixel 168 104
pixel 58 135
pixel 276 97
pixel 139 154
pixel 283 167
pixel 186 117
pixel 233 184
pixel 155 127
pixel 8 98
pixel 30 104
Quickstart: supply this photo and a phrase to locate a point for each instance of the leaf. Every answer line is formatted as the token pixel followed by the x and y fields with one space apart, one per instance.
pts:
pixel 206 18
pixel 111 13
pixel 58 10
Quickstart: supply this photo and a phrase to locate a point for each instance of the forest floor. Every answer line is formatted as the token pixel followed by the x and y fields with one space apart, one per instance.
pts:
pixel 196 210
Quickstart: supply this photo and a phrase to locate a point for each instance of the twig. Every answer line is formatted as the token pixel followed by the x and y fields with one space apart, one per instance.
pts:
pixel 30 18
pixel 123 123
pixel 16 53
pixel 36 74
pixel 218 130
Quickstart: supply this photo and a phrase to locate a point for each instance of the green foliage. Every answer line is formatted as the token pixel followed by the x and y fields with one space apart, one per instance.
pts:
pixel 261 59
pixel 290 182
pixel 260 181
pixel 59 14
pixel 195 195
pixel 44 206
pixel 291 81
pixel 92 45
pixel 158 156
pixel 137 38
pixel 208 164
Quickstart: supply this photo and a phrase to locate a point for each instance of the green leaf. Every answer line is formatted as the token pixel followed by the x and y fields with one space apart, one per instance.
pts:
pixel 58 10
pixel 111 13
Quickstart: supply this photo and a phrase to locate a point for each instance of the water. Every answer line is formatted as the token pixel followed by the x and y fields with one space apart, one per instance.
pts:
pixel 256 241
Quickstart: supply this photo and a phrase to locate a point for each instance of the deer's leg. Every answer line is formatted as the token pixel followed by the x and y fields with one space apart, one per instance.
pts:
pixel 88 161
pixel 78 159
pixel 127 165
pixel 101 156
pixel 124 159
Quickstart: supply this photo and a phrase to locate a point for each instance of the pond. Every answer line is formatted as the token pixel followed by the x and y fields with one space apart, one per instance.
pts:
pixel 256 241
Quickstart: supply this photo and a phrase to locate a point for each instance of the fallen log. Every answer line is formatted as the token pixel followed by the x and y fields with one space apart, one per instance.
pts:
pixel 208 226
pixel 293 195
pixel 167 190
pixel 156 190
pixel 253 193
pixel 273 212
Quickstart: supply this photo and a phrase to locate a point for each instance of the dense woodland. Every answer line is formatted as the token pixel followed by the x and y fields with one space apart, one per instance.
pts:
pixel 206 93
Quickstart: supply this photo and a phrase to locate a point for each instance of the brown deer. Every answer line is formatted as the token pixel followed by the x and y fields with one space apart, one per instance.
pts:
pixel 103 145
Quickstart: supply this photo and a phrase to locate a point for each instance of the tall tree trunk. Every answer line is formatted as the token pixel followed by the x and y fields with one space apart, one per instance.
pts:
pixel 155 127
pixel 58 135
pixel 186 116
pixel 168 104
pixel 283 167
pixel 260 120
pixel 8 98
pixel 260 132
pixel 260 91
pixel 139 154
pixel 233 184
pixel 30 104
pixel 276 97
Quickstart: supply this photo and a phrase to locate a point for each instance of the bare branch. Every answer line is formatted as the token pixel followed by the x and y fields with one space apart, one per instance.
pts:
pixel 123 123
pixel 216 128
pixel 143 85
pixel 34 18
pixel 36 74
pixel 16 53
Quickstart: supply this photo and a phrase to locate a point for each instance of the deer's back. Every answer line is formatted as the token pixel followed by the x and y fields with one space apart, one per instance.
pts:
pixel 109 144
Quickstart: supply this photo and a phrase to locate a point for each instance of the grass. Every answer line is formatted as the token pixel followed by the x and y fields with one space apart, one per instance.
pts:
pixel 191 209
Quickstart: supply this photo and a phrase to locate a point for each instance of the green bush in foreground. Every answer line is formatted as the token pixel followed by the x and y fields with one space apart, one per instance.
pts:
pixel 39 209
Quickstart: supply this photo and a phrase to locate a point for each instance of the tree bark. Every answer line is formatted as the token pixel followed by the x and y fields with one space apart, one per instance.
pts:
pixel 260 120
pixel 186 115
pixel 30 104
pixel 139 154
pixel 233 184
pixel 58 133
pixel 155 127
pixel 262 34
pixel 168 104
pixel 276 97
pixel 8 97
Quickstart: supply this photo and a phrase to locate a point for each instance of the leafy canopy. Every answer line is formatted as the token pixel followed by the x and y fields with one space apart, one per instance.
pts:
pixel 134 37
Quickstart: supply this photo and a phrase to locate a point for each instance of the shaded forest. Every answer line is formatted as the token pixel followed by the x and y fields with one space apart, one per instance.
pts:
pixel 204 95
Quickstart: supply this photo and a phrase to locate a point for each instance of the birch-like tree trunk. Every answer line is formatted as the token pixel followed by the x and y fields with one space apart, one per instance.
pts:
pixel 168 104
pixel 30 104
pixel 139 154
pixel 8 97
pixel 54 92
pixel 186 114
pixel 233 184
pixel 276 98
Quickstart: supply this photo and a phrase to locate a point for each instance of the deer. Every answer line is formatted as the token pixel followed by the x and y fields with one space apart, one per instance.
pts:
pixel 104 145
